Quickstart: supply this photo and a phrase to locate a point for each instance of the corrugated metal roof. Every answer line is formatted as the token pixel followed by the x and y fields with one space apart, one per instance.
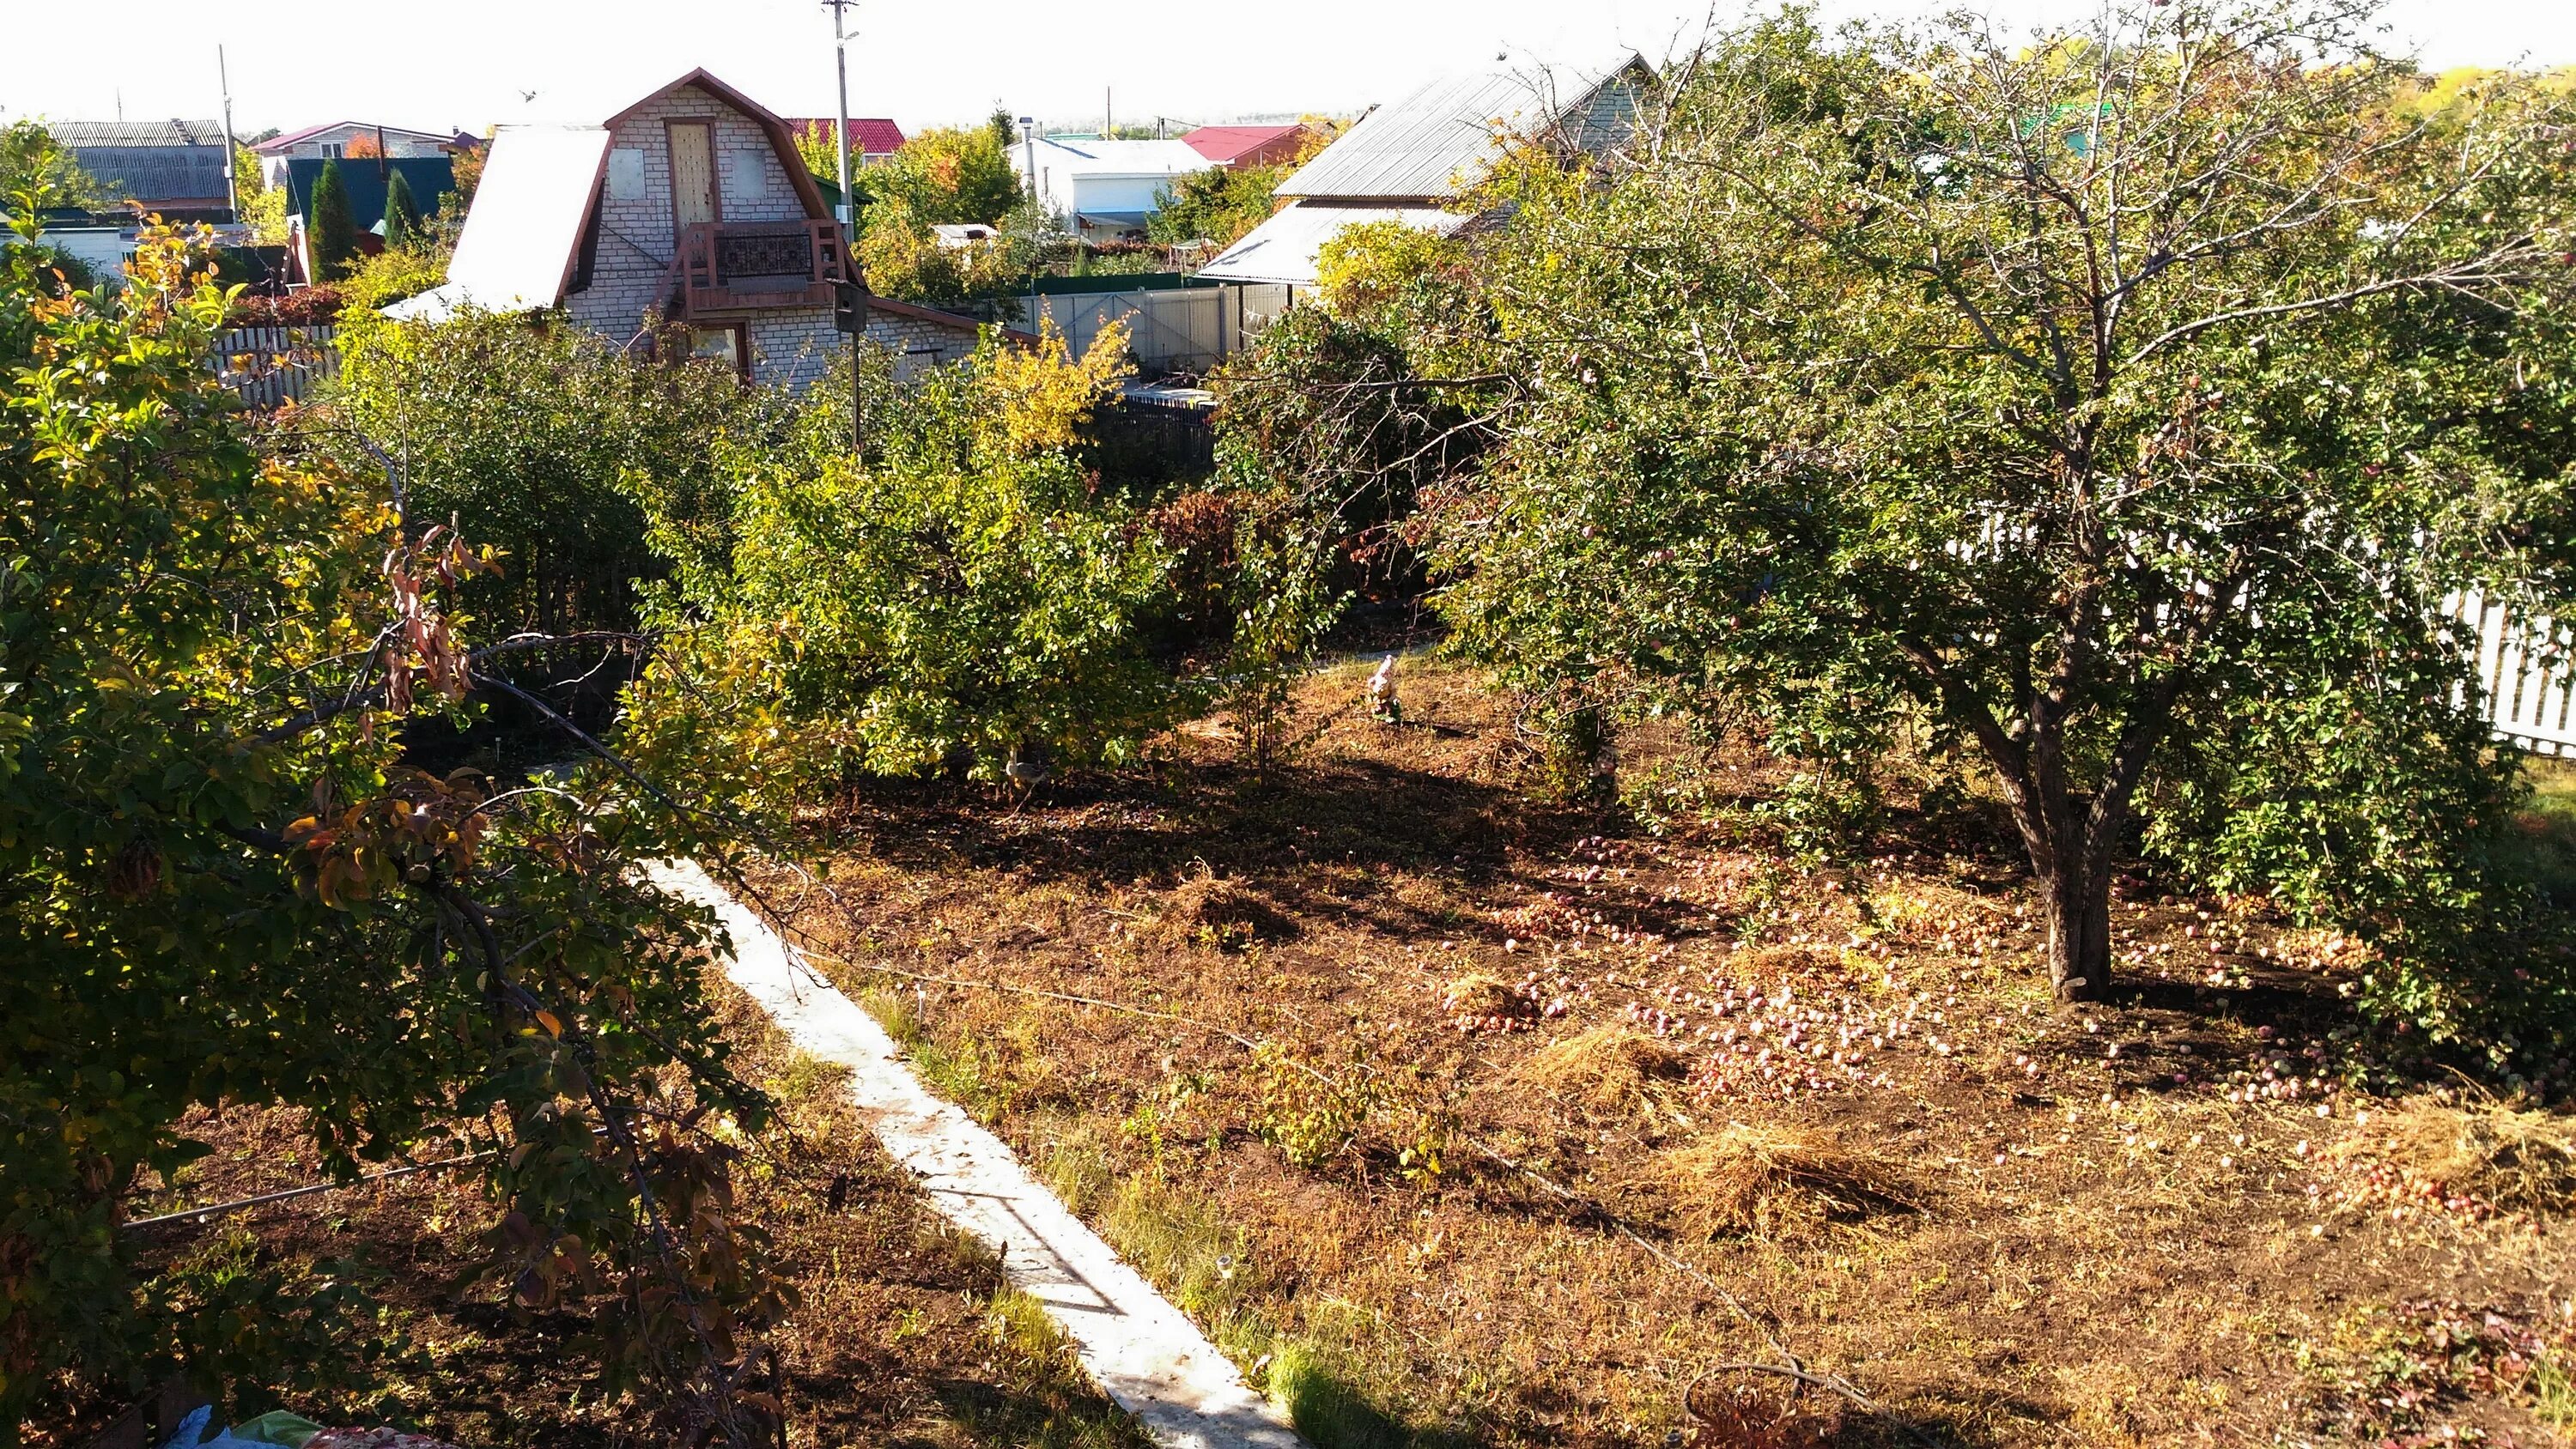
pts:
pixel 1442 139
pixel 88 134
pixel 1284 248
pixel 525 226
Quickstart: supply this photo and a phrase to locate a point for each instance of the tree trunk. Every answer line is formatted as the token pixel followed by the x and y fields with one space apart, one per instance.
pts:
pixel 2075 895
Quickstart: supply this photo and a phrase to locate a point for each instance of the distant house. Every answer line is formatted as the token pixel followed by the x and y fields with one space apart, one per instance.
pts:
pixel 685 206
pixel 873 139
pixel 957 236
pixel 1413 162
pixel 330 142
pixel 1105 189
pixel 172 167
pixel 1240 147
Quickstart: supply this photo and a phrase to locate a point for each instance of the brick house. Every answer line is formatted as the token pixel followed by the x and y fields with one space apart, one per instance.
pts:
pixel 688 205
pixel 332 141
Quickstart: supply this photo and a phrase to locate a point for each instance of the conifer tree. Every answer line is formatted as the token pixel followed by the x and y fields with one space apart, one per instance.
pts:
pixel 402 214
pixel 332 231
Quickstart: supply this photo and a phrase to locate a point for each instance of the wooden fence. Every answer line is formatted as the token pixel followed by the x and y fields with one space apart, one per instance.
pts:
pixel 268 366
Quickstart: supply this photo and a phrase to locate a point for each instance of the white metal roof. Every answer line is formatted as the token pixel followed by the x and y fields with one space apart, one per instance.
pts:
pixel 1072 156
pixel 435 305
pixel 1443 138
pixel 1284 248
pixel 525 226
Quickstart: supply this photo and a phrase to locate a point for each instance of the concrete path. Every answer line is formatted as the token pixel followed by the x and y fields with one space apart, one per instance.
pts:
pixel 1141 1349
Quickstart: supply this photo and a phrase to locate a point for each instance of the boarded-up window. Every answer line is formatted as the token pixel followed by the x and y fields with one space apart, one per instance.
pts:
pixel 626 174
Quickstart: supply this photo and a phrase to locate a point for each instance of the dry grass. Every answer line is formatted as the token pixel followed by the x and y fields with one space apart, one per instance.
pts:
pixel 2518 1160
pixel 1477 994
pixel 1752 1413
pixel 1222 913
pixel 1773 1180
pixel 1608 1066
pixel 2130 1235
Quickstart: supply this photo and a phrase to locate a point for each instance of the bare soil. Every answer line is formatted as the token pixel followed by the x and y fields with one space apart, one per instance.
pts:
pixel 1863 1136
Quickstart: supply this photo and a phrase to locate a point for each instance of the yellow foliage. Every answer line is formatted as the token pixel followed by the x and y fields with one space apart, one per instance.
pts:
pixel 1045 393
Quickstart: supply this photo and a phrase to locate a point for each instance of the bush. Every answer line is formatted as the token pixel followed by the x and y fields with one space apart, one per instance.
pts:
pixel 548 444
pixel 303 307
pixel 227 892
pixel 391 275
pixel 964 597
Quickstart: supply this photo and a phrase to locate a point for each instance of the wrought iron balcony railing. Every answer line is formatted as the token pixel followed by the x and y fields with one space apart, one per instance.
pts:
pixel 728 268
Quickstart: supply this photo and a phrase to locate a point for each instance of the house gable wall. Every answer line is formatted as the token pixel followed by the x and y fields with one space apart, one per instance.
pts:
pixel 630 267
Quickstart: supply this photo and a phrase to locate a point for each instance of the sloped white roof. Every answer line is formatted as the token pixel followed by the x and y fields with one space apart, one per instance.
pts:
pixel 1443 138
pixel 1284 248
pixel 524 230
pixel 1073 156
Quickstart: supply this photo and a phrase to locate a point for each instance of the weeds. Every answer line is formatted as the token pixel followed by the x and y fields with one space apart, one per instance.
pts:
pixel 1325 1406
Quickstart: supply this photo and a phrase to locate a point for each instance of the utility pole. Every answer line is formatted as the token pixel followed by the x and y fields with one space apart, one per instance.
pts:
pixel 853 285
pixel 232 183
pixel 841 58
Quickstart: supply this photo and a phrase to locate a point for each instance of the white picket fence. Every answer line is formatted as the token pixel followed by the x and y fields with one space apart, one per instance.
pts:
pixel 269 366
pixel 2528 666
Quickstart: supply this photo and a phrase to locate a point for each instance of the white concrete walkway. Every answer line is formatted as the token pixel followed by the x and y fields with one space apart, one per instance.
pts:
pixel 1141 1349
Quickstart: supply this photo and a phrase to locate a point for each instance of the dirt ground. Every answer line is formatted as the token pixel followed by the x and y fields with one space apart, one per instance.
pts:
pixel 1460 1118
pixel 906 1334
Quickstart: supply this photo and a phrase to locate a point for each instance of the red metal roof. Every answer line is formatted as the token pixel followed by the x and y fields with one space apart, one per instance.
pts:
pixel 869 135
pixel 1225 145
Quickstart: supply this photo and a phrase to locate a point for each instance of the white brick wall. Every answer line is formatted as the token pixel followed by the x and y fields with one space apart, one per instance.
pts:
pixel 631 270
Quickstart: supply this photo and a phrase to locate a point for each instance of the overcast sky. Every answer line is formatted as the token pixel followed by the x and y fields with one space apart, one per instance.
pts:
pixel 465 63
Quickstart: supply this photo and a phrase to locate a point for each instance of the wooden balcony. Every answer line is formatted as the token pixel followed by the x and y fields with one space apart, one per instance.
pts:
pixel 726 269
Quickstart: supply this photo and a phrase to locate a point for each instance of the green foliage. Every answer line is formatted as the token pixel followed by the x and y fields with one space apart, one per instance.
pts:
pixel 402 214
pixel 389 276
pixel 960 597
pixel 331 232
pixel 264 212
pixel 1216 206
pixel 1328 437
pixel 37 172
pixel 948 174
pixel 225 889
pixel 2119 408
pixel 549 445
pixel 902 258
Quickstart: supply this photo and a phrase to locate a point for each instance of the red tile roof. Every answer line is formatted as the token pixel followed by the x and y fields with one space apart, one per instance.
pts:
pixel 869 135
pixel 1225 145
